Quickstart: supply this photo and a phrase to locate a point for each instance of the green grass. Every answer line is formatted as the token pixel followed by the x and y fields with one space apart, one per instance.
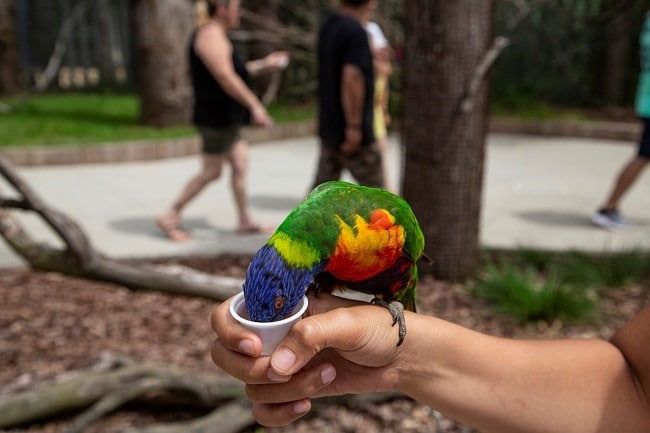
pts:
pixel 287 112
pixel 80 119
pixel 525 296
pixel 532 285
pixel 85 119
pixel 535 110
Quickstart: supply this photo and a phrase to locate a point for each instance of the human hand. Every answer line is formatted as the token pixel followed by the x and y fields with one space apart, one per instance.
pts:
pixel 277 60
pixel 332 351
pixel 260 117
pixel 382 53
pixel 352 141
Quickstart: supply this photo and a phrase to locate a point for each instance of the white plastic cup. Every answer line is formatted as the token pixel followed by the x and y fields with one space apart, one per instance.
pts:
pixel 271 333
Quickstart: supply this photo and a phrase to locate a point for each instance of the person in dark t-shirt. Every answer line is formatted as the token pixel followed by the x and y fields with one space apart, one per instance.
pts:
pixel 345 80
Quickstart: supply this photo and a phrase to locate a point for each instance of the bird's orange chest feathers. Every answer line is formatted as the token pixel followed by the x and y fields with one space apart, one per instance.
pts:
pixel 367 248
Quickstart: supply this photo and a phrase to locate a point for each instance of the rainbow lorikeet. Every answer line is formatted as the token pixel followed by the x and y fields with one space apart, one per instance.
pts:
pixel 343 236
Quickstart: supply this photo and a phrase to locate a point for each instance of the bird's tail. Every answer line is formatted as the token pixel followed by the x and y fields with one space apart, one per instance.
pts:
pixel 408 296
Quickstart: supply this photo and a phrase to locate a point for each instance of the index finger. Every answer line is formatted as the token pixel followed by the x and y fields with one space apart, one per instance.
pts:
pixel 231 334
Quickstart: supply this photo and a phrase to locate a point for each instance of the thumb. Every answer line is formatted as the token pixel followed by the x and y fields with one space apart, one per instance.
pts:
pixel 311 335
pixel 362 334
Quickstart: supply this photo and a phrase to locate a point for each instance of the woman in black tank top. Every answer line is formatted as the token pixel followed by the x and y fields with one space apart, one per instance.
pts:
pixel 223 103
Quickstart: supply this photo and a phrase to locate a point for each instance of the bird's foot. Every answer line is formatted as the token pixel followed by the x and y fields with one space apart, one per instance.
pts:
pixel 314 288
pixel 397 311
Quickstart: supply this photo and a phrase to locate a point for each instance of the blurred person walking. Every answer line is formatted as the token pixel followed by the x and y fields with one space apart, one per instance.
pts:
pixel 608 216
pixel 223 103
pixel 381 53
pixel 345 87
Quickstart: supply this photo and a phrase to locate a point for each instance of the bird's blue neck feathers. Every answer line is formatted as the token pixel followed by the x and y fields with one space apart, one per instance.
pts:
pixel 272 288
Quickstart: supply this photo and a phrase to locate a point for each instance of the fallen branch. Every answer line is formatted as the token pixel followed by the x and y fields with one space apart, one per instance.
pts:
pixel 231 417
pixel 106 388
pixel 88 388
pixel 79 258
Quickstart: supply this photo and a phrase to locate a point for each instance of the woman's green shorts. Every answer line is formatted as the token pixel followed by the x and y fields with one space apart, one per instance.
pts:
pixel 217 141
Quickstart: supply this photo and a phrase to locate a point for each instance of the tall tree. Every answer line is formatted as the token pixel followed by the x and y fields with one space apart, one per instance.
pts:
pixel 161 31
pixel 445 123
pixel 618 29
pixel 10 72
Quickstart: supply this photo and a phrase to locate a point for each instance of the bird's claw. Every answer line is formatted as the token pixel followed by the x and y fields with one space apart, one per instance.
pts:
pixel 396 309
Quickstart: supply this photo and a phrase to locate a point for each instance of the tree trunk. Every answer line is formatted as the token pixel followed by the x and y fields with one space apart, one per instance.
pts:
pixel 617 47
pixel 161 31
pixel 10 75
pixel 445 122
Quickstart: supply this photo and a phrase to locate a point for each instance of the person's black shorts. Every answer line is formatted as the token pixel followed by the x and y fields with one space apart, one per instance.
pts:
pixel 644 143
pixel 218 141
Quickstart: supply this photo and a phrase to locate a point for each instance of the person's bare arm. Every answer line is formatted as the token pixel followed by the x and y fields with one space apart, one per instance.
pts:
pixel 353 93
pixel 272 62
pixel 504 385
pixel 633 340
pixel 494 384
pixel 214 48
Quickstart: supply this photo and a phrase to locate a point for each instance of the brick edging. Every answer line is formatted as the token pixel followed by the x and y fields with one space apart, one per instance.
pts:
pixel 622 131
pixel 174 148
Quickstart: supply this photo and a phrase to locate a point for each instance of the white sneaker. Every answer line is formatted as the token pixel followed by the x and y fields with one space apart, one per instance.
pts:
pixel 609 219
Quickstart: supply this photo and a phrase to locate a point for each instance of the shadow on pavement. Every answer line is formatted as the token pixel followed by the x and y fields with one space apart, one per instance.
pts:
pixel 275 202
pixel 147 225
pixel 553 218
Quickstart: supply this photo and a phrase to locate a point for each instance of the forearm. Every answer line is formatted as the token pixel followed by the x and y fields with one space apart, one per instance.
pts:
pixel 352 95
pixel 237 88
pixel 500 385
pixel 257 67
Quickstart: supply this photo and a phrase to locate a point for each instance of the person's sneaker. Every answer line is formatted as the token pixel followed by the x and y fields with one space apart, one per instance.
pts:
pixel 609 219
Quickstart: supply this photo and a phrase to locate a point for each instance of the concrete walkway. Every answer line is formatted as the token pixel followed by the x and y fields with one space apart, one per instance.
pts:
pixel 539 192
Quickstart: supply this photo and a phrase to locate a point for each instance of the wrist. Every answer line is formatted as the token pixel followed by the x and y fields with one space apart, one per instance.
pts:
pixel 255 105
pixel 416 362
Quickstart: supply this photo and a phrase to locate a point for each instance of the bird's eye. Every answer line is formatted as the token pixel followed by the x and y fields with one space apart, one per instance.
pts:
pixel 279 303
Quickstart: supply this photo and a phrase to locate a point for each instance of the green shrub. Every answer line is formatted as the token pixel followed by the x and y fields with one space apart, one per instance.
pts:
pixel 629 267
pixel 524 295
pixel 531 285
pixel 602 271
pixel 575 268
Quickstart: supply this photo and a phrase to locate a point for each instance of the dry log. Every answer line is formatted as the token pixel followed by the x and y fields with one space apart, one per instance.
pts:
pixel 99 391
pixel 230 418
pixel 104 391
pixel 79 258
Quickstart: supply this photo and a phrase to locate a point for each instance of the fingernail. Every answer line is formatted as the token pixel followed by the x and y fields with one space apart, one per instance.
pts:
pixel 275 377
pixel 283 360
pixel 328 374
pixel 247 347
pixel 301 407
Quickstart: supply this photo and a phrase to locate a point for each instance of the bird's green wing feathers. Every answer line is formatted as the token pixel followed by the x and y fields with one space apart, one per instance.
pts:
pixel 314 222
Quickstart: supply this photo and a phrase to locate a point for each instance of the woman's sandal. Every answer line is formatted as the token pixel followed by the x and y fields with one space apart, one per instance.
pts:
pixel 172 230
